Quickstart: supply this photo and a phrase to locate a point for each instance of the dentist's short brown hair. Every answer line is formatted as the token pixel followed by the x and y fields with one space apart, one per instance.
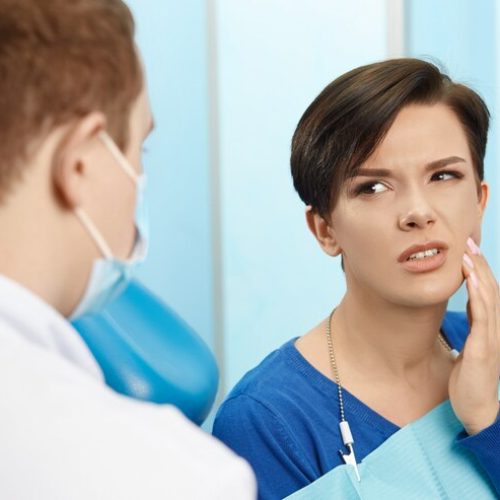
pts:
pixel 351 116
pixel 60 60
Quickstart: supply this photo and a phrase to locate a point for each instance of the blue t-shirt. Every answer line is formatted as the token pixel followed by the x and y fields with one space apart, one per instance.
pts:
pixel 283 418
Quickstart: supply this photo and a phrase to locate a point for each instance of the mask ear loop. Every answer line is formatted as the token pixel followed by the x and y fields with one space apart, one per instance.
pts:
pixel 118 155
pixel 138 179
pixel 92 229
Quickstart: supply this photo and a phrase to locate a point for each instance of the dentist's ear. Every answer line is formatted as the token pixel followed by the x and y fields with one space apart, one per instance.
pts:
pixel 73 158
pixel 323 232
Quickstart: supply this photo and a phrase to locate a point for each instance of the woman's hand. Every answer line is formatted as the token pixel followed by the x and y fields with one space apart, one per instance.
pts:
pixel 473 385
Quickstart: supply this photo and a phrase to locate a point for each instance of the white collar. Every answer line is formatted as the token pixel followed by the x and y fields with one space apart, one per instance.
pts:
pixel 39 323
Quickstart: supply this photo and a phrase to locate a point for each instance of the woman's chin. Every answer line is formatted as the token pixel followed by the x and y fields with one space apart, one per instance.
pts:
pixel 430 293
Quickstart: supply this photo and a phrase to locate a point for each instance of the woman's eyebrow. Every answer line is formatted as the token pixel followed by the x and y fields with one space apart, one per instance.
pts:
pixel 433 165
pixel 373 172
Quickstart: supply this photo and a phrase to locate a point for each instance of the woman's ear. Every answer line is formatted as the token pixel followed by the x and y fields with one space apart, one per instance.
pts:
pixel 72 158
pixel 483 196
pixel 323 232
pixel 484 193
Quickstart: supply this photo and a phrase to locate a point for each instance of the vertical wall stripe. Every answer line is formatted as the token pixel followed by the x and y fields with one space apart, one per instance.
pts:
pixel 215 190
pixel 395 28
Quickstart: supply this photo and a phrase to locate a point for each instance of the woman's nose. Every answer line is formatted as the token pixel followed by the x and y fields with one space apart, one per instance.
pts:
pixel 418 215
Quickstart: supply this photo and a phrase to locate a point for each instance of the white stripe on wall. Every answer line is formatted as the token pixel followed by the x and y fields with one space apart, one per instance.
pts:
pixel 395 28
pixel 215 190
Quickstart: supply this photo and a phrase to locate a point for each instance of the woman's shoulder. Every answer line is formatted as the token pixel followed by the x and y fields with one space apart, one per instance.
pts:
pixel 455 327
pixel 275 374
pixel 284 391
pixel 269 419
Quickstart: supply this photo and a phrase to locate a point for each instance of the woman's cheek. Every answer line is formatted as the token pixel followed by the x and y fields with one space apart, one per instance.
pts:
pixel 464 221
pixel 474 228
pixel 476 233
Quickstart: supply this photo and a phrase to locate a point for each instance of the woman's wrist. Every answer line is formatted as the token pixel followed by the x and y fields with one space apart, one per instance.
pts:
pixel 485 419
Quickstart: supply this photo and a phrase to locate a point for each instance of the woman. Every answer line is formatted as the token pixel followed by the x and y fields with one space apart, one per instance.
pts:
pixel 389 162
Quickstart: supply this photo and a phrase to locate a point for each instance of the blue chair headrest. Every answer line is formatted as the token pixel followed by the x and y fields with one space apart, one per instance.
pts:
pixel 147 352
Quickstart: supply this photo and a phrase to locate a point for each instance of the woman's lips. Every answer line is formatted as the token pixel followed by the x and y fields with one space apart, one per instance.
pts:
pixel 426 264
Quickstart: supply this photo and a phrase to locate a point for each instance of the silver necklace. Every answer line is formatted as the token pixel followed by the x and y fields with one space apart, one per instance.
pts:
pixel 345 431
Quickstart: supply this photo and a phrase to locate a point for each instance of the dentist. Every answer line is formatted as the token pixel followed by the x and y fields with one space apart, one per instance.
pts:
pixel 74 113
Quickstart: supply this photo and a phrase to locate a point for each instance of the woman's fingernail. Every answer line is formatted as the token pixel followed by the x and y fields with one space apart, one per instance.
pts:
pixel 473 247
pixel 468 261
pixel 473 278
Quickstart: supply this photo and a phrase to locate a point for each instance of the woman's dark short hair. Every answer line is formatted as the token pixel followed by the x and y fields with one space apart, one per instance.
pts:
pixel 351 116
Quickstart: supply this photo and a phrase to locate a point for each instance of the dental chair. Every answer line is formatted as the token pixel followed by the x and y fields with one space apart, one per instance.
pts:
pixel 149 353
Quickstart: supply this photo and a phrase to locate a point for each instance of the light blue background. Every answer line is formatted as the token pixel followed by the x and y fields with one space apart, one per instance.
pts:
pixel 229 80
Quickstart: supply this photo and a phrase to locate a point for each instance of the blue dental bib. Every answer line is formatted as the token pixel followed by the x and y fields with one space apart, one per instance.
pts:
pixel 420 461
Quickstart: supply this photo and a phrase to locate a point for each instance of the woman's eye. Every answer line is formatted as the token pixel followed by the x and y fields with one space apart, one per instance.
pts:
pixel 446 175
pixel 370 188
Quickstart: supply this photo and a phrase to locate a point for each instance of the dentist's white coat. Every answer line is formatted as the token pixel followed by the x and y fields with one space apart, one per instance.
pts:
pixel 65 435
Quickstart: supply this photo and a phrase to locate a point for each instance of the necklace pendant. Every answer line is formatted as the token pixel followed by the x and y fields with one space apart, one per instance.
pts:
pixel 350 459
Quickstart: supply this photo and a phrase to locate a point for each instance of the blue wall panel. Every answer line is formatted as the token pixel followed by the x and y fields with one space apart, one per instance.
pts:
pixel 172 38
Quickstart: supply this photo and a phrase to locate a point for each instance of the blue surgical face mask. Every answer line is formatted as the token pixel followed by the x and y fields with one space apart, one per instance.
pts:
pixel 109 275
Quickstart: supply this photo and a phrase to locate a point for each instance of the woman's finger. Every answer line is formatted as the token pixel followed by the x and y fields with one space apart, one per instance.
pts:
pixel 487 285
pixel 483 269
pixel 479 339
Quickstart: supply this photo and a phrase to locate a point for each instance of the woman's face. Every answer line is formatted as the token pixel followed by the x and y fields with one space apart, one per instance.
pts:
pixel 427 193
